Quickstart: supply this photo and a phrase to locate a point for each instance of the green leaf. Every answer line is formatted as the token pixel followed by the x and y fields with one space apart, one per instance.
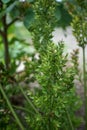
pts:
pixel 14 12
pixel 30 0
pixel 8 9
pixel 56 113
pixel 11 6
pixel 62 16
pixel 5 1
pixel 58 13
pixel 29 17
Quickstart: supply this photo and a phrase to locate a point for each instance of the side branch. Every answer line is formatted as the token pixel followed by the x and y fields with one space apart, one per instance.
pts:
pixel 12 22
pixel 2 33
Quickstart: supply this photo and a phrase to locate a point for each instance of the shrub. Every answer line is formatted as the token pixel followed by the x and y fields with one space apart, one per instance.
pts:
pixel 56 100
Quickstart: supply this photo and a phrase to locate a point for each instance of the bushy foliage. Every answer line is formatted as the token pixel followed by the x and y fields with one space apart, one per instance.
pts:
pixel 55 100
pixel 78 10
pixel 54 103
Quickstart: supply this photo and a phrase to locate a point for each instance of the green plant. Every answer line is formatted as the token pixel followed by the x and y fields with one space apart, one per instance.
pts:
pixel 51 101
pixel 54 103
pixel 22 12
pixel 63 17
pixel 11 12
pixel 55 100
pixel 79 25
pixel 6 82
pixel 11 109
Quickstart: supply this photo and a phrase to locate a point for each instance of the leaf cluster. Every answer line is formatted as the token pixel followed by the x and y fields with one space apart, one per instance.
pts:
pixel 78 10
pixel 56 94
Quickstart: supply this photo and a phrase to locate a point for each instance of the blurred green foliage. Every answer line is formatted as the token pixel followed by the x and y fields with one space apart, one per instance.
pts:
pixel 78 11
pixel 54 104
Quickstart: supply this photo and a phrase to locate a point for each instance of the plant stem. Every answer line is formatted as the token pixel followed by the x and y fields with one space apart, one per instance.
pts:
pixel 23 109
pixel 85 89
pixel 69 119
pixel 11 108
pixel 28 100
pixel 5 39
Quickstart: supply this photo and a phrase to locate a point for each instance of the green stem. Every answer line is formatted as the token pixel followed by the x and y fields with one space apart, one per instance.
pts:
pixel 28 100
pixel 85 89
pixel 24 109
pixel 6 44
pixel 11 108
pixel 69 119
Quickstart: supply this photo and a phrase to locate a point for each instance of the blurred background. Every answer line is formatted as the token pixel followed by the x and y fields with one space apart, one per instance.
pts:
pixel 19 33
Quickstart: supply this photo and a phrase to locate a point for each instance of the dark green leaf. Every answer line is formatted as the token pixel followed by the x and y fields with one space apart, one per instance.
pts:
pixel 30 0
pixel 8 9
pixel 63 16
pixel 29 17
pixel 5 1
pixel 58 13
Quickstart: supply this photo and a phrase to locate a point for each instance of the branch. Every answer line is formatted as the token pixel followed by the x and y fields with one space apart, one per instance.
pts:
pixel 13 21
pixel 2 33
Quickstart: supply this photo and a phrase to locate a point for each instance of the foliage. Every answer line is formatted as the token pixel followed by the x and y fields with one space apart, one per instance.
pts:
pixel 78 11
pixel 52 99
pixel 44 19
pixel 53 105
pixel 63 17
pixel 79 24
pixel 51 72
pixel 15 11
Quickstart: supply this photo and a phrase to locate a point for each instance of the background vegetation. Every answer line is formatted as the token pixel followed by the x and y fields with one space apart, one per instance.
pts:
pixel 26 38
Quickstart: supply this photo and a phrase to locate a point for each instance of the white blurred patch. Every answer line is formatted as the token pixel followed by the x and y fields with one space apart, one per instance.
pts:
pixel 21 0
pixel 69 41
pixel 36 56
pixel 20 67
pixel 58 0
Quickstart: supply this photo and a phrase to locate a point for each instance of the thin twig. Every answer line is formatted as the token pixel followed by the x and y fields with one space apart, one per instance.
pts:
pixel 69 119
pixel 11 108
pixel 29 101
pixel 2 33
pixel 13 21
pixel 5 41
